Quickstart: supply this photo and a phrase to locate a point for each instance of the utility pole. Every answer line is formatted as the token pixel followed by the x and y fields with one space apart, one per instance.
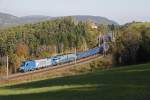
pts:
pixel 76 56
pixel 99 39
pixel 7 66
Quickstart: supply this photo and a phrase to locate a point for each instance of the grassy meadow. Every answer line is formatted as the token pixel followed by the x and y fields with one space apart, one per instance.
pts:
pixel 123 83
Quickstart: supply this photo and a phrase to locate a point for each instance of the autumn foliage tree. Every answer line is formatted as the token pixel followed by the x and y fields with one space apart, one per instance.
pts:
pixel 21 53
pixel 22 50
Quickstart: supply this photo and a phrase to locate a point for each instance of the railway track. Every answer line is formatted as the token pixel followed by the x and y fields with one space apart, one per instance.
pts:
pixel 43 71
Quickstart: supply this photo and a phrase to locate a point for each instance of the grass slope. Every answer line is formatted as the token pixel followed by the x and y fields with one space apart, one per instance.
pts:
pixel 126 83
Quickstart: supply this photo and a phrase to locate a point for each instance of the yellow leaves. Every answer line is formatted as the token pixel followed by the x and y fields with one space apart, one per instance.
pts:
pixel 22 50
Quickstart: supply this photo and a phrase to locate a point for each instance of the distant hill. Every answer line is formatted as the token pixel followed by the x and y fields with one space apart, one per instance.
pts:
pixel 7 20
pixel 33 19
pixel 95 19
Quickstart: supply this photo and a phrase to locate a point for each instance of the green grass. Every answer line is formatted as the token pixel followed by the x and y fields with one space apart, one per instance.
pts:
pixel 124 83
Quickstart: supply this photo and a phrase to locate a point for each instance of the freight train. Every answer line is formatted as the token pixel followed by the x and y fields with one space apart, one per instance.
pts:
pixel 59 59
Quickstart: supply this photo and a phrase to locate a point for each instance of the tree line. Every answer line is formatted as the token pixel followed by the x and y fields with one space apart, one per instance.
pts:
pixel 132 44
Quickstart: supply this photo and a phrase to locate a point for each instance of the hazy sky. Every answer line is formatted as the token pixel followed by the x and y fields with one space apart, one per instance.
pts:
pixel 121 11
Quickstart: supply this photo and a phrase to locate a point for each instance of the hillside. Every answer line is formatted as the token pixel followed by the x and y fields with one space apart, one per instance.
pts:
pixel 11 20
pixel 126 83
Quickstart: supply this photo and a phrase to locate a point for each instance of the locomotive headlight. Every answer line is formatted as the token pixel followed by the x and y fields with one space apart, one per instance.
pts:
pixel 21 68
pixel 57 60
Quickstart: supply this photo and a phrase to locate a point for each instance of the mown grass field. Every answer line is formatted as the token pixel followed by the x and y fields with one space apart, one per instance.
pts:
pixel 125 83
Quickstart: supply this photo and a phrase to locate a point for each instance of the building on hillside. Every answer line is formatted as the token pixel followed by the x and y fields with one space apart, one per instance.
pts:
pixel 94 26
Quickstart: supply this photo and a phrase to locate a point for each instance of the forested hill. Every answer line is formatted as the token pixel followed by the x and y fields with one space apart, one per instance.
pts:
pixel 11 20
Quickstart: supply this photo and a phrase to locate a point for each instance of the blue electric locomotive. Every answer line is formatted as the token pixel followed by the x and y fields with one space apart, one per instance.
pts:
pixel 63 58
pixel 35 64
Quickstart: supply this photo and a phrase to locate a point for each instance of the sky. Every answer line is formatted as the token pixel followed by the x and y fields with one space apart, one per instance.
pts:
pixel 121 11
